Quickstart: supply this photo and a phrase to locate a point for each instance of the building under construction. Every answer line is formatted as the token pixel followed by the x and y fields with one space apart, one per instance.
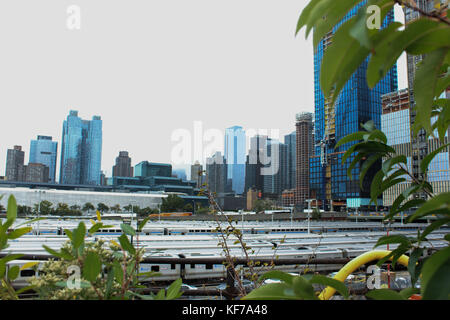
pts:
pixel 356 104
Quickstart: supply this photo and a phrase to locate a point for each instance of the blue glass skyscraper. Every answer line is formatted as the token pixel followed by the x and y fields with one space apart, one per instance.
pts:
pixel 81 150
pixel 44 151
pixel 356 104
pixel 235 157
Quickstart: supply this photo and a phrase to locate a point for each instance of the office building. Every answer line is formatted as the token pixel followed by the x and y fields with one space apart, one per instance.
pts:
pixel 235 157
pixel 81 150
pixel 291 168
pixel 44 151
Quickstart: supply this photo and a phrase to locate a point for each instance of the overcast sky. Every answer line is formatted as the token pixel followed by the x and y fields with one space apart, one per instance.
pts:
pixel 150 68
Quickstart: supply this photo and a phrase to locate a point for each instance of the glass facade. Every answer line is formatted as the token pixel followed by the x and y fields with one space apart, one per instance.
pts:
pixel 356 104
pixel 396 127
pixel 81 150
pixel 44 151
pixel 235 157
pixel 150 169
pixel 290 176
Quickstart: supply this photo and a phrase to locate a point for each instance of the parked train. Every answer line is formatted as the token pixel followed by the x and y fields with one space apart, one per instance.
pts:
pixel 290 246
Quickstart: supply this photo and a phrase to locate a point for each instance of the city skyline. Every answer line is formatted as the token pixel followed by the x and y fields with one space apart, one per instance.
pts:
pixel 259 71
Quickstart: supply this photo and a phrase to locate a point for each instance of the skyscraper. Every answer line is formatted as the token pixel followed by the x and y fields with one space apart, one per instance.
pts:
pixel 254 163
pixel 216 173
pixel 304 149
pixel 15 164
pixel 275 171
pixel 81 151
pixel 290 176
pixel 356 104
pixel 197 173
pixel 123 167
pixel 44 151
pixel 235 157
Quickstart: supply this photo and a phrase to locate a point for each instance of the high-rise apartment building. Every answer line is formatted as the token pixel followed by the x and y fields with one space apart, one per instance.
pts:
pixel 123 167
pixel 356 104
pixel 44 151
pixel 304 150
pixel 234 154
pixel 81 150
pixel 15 164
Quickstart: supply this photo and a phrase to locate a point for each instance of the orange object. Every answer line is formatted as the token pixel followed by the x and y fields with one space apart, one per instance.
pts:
pixel 415 297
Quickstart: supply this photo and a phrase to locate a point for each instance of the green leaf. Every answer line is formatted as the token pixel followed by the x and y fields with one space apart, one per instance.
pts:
pixel 303 288
pixel 412 264
pixel 78 235
pixel 92 266
pixel 366 166
pixel 17 233
pixel 62 255
pixel 441 201
pixel 384 294
pixel 408 292
pixel 2 269
pixel 272 291
pixel 173 292
pixel 425 83
pixel 435 282
pixel 388 48
pixel 356 136
pixel 338 285
pixel 387 165
pixel 10 257
pixel 393 239
pixel 11 212
pixel 126 245
pixel 143 223
pixel 127 229
pixel 13 273
pixel 276 274
pixel 429 157
pixel 433 226
pixel 118 272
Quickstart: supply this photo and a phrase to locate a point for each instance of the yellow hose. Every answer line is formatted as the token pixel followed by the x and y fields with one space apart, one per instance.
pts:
pixel 354 264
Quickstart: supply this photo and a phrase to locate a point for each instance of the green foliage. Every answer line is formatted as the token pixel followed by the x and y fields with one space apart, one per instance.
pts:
pixel 8 233
pixel 105 272
pixel 293 287
pixel 102 207
pixel 172 203
pixel 261 205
